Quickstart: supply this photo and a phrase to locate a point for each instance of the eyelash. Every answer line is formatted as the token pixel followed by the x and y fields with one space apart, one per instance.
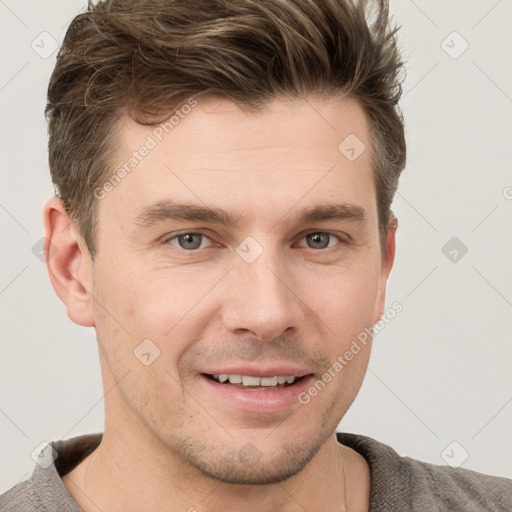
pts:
pixel 204 234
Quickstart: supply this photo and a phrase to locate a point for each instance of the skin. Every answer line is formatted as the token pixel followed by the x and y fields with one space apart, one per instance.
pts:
pixel 170 443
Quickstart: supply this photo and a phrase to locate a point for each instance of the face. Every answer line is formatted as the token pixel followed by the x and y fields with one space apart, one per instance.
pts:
pixel 270 268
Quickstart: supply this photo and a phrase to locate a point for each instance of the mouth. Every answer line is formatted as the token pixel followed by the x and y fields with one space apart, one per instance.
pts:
pixel 263 389
pixel 255 383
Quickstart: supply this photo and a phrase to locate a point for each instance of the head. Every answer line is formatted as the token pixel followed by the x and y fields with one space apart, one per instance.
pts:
pixel 224 174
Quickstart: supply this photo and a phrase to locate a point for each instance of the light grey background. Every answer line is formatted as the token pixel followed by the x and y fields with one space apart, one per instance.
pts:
pixel 440 371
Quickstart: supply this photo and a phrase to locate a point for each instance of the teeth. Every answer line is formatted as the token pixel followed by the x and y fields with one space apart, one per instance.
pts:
pixel 248 380
pixel 268 381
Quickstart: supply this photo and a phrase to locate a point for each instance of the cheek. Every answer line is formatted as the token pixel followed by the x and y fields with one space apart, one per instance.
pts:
pixel 150 299
pixel 166 307
pixel 344 299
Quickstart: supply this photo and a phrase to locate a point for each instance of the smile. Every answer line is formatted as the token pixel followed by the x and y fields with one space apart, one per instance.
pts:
pixel 249 381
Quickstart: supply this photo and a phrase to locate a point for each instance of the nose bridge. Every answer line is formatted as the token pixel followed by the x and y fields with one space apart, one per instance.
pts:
pixel 260 298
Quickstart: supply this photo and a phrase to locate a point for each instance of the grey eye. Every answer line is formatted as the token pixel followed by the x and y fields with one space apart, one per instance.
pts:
pixel 189 241
pixel 318 240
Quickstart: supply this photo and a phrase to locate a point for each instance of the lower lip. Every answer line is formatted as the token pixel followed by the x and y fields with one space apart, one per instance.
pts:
pixel 258 399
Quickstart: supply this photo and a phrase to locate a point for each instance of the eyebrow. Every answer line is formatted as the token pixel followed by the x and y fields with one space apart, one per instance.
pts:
pixel 167 210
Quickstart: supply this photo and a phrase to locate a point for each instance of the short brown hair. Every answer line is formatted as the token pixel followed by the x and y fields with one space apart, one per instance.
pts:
pixel 142 57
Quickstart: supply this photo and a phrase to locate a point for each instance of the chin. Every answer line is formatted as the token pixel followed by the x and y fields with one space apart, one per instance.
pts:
pixel 247 465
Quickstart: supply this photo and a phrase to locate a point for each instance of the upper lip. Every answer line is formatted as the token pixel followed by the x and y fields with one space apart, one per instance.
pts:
pixel 260 371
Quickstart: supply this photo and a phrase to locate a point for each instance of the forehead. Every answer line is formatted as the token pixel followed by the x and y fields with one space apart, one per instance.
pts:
pixel 214 153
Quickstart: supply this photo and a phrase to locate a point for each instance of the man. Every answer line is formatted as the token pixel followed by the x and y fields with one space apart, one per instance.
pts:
pixel 224 173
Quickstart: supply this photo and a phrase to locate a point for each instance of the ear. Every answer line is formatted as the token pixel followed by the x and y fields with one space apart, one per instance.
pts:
pixel 69 263
pixel 387 264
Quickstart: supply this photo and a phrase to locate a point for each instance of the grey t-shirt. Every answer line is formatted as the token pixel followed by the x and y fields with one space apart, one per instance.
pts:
pixel 398 484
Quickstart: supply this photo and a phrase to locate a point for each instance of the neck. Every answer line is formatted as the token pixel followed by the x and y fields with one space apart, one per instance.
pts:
pixel 133 472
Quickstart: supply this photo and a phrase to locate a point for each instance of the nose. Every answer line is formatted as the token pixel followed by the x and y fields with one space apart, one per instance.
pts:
pixel 261 299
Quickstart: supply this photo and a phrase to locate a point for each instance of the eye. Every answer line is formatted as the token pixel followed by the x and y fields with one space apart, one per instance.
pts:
pixel 193 241
pixel 189 241
pixel 321 240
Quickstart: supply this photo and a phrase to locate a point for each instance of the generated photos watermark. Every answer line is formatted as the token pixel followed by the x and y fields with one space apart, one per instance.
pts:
pixel 343 359
pixel 151 142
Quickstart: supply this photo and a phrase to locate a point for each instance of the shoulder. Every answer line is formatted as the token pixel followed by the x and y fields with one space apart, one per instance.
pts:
pixel 20 497
pixel 410 484
pixel 458 487
pixel 44 489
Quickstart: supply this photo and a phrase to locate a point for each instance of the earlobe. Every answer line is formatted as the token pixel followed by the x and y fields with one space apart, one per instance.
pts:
pixel 68 262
